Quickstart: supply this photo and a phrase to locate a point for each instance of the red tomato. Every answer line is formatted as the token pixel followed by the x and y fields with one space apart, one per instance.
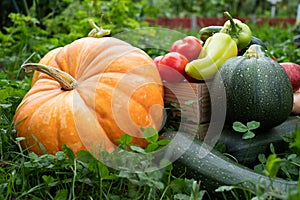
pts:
pixel 189 46
pixel 171 66
pixel 157 59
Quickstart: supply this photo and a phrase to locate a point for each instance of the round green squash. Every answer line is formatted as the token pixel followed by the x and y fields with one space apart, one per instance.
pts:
pixel 257 88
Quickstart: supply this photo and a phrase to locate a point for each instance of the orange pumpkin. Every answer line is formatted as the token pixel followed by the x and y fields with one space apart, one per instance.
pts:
pixel 115 89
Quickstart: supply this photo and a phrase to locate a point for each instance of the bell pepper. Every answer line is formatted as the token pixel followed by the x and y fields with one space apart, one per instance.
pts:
pixel 238 30
pixel 216 50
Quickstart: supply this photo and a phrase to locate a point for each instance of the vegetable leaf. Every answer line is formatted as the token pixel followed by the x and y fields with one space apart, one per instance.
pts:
pixel 150 134
pixel 253 125
pixel 246 129
pixel 248 135
pixel 239 127
pixel 272 165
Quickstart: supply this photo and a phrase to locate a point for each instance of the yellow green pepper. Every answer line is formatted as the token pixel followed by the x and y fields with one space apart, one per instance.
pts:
pixel 216 50
pixel 239 31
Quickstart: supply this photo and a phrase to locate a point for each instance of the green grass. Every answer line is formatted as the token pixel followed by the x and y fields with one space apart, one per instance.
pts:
pixel 64 175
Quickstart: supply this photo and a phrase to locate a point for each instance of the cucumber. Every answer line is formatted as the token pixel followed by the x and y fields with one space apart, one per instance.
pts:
pixel 208 31
pixel 214 169
pixel 254 40
pixel 247 151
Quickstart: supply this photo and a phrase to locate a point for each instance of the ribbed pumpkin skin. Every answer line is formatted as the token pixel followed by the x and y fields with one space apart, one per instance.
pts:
pixel 119 91
pixel 256 89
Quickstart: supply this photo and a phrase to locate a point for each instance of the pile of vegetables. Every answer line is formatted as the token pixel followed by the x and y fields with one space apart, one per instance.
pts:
pixel 257 86
pixel 91 92
pixel 258 89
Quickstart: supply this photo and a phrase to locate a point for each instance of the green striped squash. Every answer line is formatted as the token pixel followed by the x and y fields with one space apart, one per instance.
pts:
pixel 257 88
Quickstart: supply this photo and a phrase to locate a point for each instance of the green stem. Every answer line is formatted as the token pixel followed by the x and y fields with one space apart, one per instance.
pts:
pixel 232 23
pixel 97 31
pixel 255 51
pixel 66 81
pixel 247 152
pixel 73 180
pixel 26 7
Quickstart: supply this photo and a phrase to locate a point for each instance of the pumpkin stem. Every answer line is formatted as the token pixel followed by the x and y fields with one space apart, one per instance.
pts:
pixel 256 51
pixel 66 81
pixel 97 31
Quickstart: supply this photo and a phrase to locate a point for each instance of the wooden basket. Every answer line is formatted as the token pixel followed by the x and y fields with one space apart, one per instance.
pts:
pixel 193 101
pixel 198 130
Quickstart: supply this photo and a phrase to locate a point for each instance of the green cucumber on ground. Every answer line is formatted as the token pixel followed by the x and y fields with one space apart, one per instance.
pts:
pixel 200 162
pixel 247 151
